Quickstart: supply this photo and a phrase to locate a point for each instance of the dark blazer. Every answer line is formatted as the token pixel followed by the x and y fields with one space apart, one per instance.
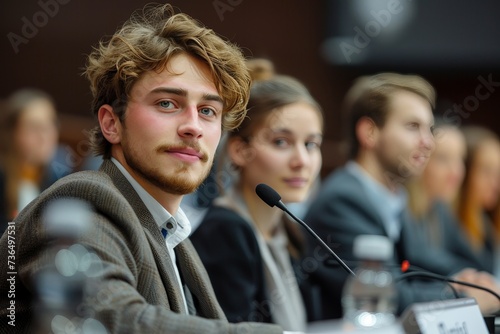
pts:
pixel 343 211
pixel 229 249
pixel 230 252
pixel 138 278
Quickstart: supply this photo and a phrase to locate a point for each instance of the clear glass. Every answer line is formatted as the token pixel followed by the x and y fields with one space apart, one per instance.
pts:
pixel 369 299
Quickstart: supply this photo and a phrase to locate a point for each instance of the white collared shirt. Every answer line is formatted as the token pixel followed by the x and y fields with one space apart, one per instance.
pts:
pixel 178 229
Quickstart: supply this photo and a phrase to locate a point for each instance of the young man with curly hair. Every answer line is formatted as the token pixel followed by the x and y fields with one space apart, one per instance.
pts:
pixel 164 87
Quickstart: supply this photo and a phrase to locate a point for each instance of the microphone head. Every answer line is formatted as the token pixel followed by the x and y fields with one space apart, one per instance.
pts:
pixel 267 194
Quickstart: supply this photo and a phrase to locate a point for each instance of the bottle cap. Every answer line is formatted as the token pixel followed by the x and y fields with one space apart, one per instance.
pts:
pixel 373 247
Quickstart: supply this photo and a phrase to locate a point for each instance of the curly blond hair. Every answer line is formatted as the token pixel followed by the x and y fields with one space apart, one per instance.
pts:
pixel 146 42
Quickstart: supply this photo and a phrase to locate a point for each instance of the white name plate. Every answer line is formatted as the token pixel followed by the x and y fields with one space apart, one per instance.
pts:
pixel 454 316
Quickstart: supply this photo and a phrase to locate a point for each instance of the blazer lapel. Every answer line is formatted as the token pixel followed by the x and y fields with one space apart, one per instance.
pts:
pixel 156 241
pixel 197 280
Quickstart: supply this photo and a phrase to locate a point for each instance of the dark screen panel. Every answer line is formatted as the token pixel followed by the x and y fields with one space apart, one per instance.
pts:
pixel 426 33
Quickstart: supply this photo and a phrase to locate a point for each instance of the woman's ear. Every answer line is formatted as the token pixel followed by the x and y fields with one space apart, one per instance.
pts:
pixel 366 132
pixel 110 124
pixel 240 152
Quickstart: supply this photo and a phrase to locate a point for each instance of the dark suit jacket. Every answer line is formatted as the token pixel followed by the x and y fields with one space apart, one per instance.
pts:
pixel 138 279
pixel 343 211
pixel 230 252
pixel 229 249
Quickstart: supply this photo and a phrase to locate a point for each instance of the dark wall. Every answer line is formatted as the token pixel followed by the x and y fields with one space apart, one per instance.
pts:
pixel 289 32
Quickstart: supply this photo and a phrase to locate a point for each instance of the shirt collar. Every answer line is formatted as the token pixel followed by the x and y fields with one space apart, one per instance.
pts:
pixel 388 204
pixel 181 225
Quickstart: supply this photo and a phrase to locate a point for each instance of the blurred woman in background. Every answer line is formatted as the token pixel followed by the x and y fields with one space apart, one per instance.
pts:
pixel 480 192
pixel 248 247
pixel 30 142
pixel 433 195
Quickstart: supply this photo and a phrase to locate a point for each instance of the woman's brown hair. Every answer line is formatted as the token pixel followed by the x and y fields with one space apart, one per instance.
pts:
pixel 470 214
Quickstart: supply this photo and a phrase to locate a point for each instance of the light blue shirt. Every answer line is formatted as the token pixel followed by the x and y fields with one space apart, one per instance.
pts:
pixel 178 226
pixel 389 205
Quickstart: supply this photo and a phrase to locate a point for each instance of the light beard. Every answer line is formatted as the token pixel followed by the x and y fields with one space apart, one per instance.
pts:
pixel 177 182
pixel 394 169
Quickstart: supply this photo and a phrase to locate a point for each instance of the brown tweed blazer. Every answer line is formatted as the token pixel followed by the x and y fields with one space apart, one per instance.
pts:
pixel 138 292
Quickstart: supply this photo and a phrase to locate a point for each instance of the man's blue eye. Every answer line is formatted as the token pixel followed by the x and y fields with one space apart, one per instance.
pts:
pixel 207 111
pixel 166 104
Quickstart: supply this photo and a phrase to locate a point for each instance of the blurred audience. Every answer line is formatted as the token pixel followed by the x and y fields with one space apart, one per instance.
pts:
pixel 391 137
pixel 31 138
pixel 249 248
pixel 432 195
pixel 479 194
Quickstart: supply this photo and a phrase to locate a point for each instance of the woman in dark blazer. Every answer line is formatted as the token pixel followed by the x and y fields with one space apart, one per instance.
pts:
pixel 248 248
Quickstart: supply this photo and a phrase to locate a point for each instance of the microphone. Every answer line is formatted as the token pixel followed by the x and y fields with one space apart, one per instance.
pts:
pixel 272 198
